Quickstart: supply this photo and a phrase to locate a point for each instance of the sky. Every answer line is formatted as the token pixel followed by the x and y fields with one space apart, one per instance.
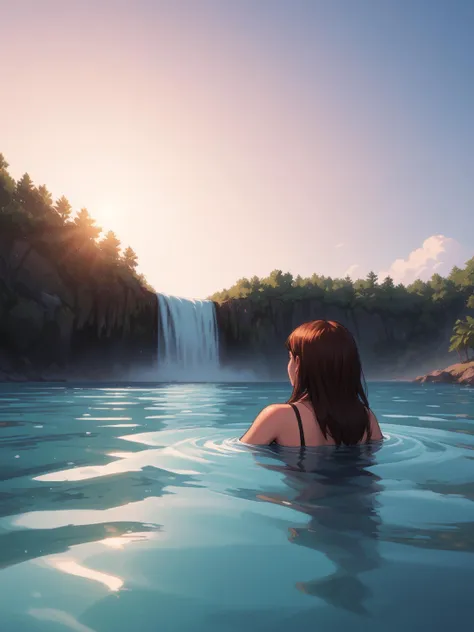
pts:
pixel 224 139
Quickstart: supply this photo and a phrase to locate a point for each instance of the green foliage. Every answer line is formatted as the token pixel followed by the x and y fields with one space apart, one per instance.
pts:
pixel 463 337
pixel 45 196
pixel 463 277
pixel 422 302
pixel 86 225
pixel 24 196
pixel 28 212
pixel 421 289
pixel 387 284
pixel 143 281
pixel 366 292
pixel 276 279
pixel 7 186
pixel 130 259
pixel 442 288
pixel 110 247
pixel 63 208
pixel 372 279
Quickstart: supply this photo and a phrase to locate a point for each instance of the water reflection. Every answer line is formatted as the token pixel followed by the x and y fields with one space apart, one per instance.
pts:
pixel 102 492
pixel 338 491
pixel 64 619
pixel 26 544
pixel 71 567
pixel 457 536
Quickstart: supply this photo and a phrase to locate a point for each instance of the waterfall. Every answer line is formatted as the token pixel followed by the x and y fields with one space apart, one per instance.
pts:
pixel 188 346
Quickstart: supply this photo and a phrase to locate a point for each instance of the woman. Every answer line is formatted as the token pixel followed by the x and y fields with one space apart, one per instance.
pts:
pixel 328 405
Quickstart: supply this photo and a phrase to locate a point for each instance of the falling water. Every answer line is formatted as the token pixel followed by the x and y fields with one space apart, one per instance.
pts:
pixel 188 340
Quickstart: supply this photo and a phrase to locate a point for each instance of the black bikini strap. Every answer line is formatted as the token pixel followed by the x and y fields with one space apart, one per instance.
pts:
pixel 300 424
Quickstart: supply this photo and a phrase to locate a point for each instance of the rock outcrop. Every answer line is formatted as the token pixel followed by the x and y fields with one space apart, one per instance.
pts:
pixel 461 373
pixel 53 325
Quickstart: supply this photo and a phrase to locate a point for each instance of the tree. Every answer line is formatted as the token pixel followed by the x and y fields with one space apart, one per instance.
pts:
pixel 470 302
pixel 342 292
pixel 317 281
pixel 143 281
pixel 442 288
pixel 25 194
pixel 372 279
pixel 86 225
pixel 457 276
pixel 362 289
pixel 63 208
pixel 277 279
pixel 7 184
pixel 45 195
pixel 110 246
pixel 387 283
pixel 469 273
pixel 421 288
pixel 28 212
pixel 463 337
pixel 43 206
pixel 255 284
pixel 130 258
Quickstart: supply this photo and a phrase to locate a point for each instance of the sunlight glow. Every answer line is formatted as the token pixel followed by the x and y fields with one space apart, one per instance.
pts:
pixel 74 568
pixel 120 542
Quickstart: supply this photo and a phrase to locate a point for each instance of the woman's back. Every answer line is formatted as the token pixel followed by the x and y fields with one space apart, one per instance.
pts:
pixel 288 427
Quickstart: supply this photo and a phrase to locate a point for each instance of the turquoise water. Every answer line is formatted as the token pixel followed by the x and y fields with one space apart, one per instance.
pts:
pixel 137 509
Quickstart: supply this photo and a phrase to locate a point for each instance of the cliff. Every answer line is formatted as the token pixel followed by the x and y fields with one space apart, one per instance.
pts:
pixel 58 320
pixel 461 373
pixel 394 344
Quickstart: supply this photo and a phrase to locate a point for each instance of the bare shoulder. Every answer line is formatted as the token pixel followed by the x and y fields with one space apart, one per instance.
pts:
pixel 274 409
pixel 376 433
pixel 272 413
pixel 266 426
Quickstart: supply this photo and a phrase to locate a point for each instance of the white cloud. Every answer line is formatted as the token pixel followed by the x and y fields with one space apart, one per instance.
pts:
pixel 437 254
pixel 340 245
pixel 351 269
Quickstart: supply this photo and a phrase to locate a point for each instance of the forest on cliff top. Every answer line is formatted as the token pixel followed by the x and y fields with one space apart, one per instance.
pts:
pixel 73 241
pixel 368 293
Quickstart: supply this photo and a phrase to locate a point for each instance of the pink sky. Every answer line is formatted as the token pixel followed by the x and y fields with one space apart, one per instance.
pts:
pixel 218 142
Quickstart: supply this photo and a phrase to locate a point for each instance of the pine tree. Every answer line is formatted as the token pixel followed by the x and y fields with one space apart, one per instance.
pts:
pixel 86 225
pixel 24 193
pixel 7 185
pixel 45 195
pixel 63 208
pixel 372 279
pixel 110 246
pixel 130 258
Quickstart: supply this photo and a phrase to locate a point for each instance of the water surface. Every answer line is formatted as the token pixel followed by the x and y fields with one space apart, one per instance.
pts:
pixel 136 508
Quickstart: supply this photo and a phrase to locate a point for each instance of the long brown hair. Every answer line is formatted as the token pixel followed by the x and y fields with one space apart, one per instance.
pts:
pixel 330 376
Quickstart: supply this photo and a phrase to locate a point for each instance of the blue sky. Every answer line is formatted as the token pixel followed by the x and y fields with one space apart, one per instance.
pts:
pixel 225 139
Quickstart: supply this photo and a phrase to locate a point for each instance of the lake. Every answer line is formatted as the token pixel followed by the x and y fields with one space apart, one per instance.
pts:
pixel 136 508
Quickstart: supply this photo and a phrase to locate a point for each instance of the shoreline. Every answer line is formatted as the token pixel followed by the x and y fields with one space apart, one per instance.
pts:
pixel 460 373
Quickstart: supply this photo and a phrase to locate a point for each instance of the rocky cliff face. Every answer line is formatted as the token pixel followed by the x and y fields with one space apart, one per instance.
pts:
pixel 52 326
pixel 253 334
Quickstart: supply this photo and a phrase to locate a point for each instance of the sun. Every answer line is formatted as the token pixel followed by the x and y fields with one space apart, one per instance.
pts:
pixel 108 216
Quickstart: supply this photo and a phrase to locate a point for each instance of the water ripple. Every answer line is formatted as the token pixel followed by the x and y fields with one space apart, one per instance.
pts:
pixel 136 491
